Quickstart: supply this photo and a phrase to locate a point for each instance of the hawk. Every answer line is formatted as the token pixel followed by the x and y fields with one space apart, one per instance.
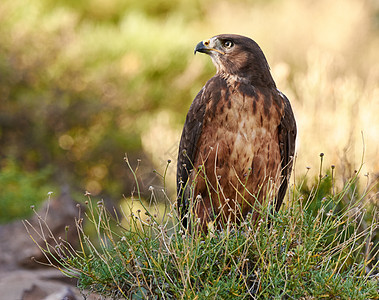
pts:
pixel 238 139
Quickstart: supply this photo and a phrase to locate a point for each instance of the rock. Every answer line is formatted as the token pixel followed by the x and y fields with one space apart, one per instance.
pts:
pixel 41 284
pixel 64 294
pixel 21 278
pixel 35 292
pixel 17 247
pixel 35 284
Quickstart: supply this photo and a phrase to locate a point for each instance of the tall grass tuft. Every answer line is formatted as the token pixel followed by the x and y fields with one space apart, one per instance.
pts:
pixel 315 247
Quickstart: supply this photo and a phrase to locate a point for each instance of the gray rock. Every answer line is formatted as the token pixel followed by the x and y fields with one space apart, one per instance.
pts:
pixel 21 278
pixel 64 294
pixel 17 247
pixel 34 284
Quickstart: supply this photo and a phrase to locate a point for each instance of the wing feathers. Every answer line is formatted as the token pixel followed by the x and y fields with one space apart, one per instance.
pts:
pixel 187 148
pixel 287 135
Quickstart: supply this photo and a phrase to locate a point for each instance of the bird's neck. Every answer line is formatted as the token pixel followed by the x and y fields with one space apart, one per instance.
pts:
pixel 231 79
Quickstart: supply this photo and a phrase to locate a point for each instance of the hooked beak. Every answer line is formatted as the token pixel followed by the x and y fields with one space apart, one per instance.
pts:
pixel 207 46
pixel 200 47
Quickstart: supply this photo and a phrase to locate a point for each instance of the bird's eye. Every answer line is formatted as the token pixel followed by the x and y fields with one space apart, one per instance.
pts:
pixel 228 44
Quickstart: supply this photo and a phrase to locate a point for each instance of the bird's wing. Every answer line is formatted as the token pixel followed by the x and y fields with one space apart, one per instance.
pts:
pixel 287 136
pixel 187 149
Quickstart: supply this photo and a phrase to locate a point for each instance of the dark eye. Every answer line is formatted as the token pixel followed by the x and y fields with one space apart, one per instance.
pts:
pixel 228 44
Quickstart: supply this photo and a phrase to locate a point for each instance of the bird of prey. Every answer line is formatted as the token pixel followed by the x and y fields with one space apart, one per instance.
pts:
pixel 238 140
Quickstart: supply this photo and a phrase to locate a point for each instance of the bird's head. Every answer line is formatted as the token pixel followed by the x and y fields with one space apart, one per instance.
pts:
pixel 239 56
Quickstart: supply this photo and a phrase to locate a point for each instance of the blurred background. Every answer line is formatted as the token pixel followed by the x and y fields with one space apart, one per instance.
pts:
pixel 84 82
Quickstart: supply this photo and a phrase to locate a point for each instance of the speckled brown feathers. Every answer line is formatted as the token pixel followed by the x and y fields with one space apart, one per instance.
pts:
pixel 240 130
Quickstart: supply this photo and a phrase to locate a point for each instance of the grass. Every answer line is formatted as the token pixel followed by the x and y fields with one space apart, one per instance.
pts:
pixel 320 245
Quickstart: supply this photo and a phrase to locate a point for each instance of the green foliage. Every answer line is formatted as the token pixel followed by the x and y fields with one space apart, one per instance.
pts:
pixel 301 254
pixel 80 80
pixel 21 189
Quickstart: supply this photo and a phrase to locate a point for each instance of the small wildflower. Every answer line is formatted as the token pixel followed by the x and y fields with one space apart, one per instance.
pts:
pixel 32 206
pixel 87 193
pixel 322 154
pixel 123 239
pixel 151 188
pixel 49 193
pixel 330 213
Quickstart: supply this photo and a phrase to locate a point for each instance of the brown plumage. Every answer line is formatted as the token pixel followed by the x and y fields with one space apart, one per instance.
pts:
pixel 240 130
